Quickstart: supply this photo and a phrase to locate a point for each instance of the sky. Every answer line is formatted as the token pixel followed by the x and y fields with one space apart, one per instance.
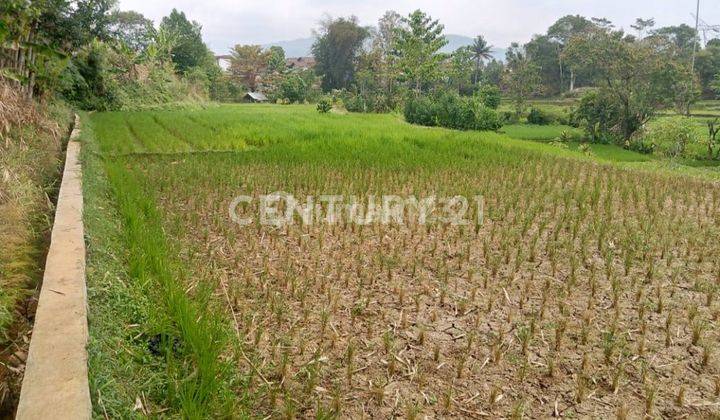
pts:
pixel 229 22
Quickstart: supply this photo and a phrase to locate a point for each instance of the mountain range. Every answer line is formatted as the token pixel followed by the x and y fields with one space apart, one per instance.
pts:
pixel 301 47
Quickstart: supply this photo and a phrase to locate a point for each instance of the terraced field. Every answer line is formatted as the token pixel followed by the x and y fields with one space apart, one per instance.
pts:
pixel 588 288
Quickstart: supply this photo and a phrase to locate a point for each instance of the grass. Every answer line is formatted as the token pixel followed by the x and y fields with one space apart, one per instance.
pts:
pixel 30 163
pixel 541 132
pixel 589 280
pixel 702 113
pixel 170 357
pixel 120 309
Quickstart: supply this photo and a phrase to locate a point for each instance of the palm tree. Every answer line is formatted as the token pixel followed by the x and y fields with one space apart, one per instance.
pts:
pixel 481 51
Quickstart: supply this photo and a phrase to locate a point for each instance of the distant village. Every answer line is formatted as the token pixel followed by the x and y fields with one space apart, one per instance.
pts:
pixel 290 62
pixel 266 74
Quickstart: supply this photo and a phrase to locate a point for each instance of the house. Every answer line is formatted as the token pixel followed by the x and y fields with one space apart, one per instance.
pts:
pixel 255 97
pixel 223 61
pixel 300 63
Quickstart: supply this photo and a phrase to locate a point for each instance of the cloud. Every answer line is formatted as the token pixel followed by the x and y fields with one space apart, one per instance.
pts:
pixel 228 22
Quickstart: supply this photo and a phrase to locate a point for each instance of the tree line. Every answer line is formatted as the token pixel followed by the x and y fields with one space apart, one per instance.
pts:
pixel 97 56
pixel 621 78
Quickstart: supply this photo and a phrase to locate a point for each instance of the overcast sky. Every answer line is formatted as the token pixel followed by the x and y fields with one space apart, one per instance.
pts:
pixel 229 22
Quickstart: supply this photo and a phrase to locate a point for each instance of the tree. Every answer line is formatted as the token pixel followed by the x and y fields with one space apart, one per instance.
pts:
pixel 336 49
pixel 247 63
pixel 562 32
pixel 276 60
pixel 707 64
pixel 293 88
pixel 493 72
pixel 387 30
pixel 542 51
pixel 642 26
pixel 92 18
pixel 521 79
pixel 715 85
pixel 481 51
pixel 683 37
pixel 131 28
pixel 461 68
pixel 188 50
pixel 417 44
pixel 32 38
pixel 632 74
pixel 380 63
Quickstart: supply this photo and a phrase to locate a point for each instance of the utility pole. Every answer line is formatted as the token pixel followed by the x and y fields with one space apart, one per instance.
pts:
pixel 692 64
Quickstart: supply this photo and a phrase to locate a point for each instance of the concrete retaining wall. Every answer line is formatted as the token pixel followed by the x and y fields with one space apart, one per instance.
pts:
pixel 55 385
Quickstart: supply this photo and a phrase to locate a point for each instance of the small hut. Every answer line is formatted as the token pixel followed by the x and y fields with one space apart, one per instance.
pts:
pixel 255 97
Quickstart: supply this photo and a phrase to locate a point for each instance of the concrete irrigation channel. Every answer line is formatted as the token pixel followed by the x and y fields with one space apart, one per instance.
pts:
pixel 55 384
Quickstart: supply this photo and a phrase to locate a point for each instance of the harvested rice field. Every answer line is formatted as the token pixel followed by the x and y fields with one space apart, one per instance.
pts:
pixel 545 282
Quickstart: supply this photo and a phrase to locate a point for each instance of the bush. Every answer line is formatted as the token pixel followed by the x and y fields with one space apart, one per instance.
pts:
pixel 226 89
pixel 598 115
pixel 668 137
pixel 354 103
pixel 539 117
pixel 324 105
pixel 585 149
pixel 486 118
pixel 451 111
pixel 509 117
pixel 490 96
pixel 367 102
pixel 85 82
pixel 421 111
pixel 102 78
pixel 294 88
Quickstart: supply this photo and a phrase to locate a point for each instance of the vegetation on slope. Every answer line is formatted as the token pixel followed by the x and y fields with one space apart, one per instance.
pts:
pixel 31 138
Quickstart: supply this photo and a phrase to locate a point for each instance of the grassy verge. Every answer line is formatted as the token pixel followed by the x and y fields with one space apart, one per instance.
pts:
pixel 30 163
pixel 156 346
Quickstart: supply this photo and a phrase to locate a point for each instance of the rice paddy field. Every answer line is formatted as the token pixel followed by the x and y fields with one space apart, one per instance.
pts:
pixel 590 289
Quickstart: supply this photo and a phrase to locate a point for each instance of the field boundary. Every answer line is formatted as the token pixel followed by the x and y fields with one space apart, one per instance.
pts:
pixel 56 377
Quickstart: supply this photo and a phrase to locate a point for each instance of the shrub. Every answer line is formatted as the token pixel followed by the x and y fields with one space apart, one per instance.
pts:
pixel 324 105
pixel 598 115
pixel 539 117
pixel 451 111
pixel 486 118
pixel 585 149
pixel 85 82
pixel 490 96
pixel 509 117
pixel 420 111
pixel 293 88
pixel 354 103
pixel 367 102
pixel 102 78
pixel 667 137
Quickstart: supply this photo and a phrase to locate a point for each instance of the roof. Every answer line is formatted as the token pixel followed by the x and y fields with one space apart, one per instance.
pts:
pixel 257 96
pixel 223 57
pixel 300 62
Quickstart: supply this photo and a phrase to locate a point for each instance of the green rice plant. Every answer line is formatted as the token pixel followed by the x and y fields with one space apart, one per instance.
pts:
pixel 572 250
